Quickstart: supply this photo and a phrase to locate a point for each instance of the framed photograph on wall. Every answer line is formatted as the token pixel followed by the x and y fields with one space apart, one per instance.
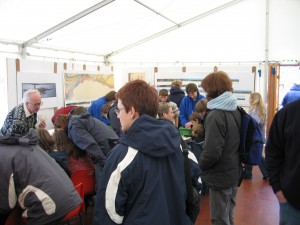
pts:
pixel 47 90
pixel 46 83
pixel 136 76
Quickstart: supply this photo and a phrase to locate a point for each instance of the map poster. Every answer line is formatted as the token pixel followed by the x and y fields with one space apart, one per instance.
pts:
pixel 82 89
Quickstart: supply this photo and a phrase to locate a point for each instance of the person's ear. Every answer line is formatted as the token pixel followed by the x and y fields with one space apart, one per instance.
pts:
pixel 133 114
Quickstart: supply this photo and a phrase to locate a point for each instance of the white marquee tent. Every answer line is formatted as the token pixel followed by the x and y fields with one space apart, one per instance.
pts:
pixel 152 30
pixel 149 32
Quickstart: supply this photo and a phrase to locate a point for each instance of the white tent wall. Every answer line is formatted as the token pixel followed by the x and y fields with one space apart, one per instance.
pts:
pixel 247 32
pixel 42 68
pixel 121 76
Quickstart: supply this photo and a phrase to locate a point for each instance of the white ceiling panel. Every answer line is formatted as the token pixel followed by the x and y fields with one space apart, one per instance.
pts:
pixel 152 30
pixel 21 20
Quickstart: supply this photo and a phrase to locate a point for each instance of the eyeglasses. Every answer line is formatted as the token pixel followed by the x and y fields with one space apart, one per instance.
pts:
pixel 117 110
pixel 36 104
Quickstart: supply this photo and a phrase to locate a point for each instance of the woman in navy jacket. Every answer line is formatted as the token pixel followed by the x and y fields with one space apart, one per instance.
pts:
pixel 143 177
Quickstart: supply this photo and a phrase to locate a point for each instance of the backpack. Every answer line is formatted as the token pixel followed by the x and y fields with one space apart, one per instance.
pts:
pixel 251 141
pixel 193 198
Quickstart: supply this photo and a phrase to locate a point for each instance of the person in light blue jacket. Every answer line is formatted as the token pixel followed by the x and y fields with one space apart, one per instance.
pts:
pixel 187 105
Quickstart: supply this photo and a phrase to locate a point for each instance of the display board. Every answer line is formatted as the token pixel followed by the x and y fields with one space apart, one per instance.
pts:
pixel 46 83
pixel 243 82
pixel 83 88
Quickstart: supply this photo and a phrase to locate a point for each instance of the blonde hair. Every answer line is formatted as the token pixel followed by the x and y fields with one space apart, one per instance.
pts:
pixel 176 83
pixel 258 105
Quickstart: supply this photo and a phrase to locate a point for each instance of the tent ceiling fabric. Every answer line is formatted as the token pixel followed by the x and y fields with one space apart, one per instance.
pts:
pixel 146 30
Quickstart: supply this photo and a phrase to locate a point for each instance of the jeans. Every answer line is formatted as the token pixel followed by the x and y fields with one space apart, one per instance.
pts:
pixel 222 203
pixel 288 215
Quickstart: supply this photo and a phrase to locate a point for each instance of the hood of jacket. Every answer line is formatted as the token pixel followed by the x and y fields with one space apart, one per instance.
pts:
pixel 176 90
pixel 295 87
pixel 226 101
pixel 153 137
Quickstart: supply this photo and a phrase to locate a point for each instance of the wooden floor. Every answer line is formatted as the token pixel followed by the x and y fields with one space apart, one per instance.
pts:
pixel 256 204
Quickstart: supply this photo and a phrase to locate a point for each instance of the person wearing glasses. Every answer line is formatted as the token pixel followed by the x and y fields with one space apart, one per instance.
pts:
pixel 143 178
pixel 23 116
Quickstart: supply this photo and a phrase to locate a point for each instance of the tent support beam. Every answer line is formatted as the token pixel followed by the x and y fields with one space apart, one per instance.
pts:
pixel 191 20
pixel 149 8
pixel 66 23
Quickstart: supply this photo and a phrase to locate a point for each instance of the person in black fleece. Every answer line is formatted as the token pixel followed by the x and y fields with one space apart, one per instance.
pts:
pixel 282 159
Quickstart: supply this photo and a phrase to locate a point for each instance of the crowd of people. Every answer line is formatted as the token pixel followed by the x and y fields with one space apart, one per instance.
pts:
pixel 133 143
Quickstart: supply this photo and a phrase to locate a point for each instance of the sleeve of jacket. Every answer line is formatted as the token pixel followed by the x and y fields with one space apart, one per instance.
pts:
pixel 85 141
pixel 184 118
pixel 113 193
pixel 275 152
pixel 215 131
pixel 94 110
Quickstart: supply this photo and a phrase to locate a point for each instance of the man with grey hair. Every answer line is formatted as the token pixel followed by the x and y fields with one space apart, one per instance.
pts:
pixel 165 112
pixel 23 116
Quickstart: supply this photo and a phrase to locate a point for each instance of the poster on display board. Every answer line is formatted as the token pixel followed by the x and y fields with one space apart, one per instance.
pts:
pixel 243 82
pixel 82 88
pixel 46 83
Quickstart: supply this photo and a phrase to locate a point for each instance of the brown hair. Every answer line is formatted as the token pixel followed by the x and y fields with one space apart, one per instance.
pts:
pixel 198 129
pixel 176 83
pixel 215 84
pixel 141 96
pixel 46 142
pixel 110 96
pixel 61 122
pixel 201 106
pixel 78 111
pixel 190 88
pixel 63 144
pixel 163 92
pixel 61 141
pixel 105 108
pixel 195 116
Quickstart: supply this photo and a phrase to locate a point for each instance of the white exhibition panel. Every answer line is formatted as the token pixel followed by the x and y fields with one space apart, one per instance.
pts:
pixel 43 81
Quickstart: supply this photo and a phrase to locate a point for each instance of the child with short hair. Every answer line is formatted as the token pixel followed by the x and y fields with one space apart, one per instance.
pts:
pixel 195 118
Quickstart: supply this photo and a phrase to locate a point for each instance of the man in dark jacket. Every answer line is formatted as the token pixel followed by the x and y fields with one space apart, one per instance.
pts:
pixel 34 182
pixel 282 159
pixel 176 94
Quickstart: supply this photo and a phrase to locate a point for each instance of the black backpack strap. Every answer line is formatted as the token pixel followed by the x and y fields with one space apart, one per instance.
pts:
pixel 192 204
pixel 187 171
